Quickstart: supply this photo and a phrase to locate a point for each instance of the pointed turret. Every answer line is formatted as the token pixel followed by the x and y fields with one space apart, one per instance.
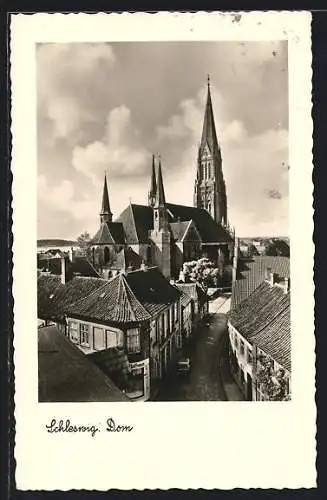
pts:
pixel 160 235
pixel 153 185
pixel 160 194
pixel 209 135
pixel 105 214
pixel 209 186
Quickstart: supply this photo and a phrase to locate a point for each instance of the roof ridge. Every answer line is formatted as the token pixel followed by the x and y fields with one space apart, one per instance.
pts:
pixel 129 294
pixel 75 302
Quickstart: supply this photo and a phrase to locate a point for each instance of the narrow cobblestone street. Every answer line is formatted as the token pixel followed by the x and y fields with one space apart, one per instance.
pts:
pixel 208 365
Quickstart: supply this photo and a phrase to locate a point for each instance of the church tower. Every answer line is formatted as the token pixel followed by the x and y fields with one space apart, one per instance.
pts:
pixel 209 188
pixel 153 186
pixel 105 214
pixel 160 235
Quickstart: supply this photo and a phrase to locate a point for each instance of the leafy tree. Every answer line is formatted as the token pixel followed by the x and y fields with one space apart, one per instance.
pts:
pixel 84 243
pixel 277 247
pixel 274 383
pixel 202 271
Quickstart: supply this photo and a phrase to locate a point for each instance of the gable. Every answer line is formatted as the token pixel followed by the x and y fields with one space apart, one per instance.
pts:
pixel 191 234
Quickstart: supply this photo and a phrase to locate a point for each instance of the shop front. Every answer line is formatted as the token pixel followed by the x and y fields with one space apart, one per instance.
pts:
pixel 138 385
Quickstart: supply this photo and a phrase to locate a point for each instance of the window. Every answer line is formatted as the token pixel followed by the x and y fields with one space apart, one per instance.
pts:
pixel 135 384
pixel 167 321
pixel 176 311
pixel 133 340
pixel 73 332
pixel 84 333
pixel 172 317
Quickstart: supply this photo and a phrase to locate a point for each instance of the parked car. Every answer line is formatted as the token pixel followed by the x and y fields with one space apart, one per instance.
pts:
pixel 183 365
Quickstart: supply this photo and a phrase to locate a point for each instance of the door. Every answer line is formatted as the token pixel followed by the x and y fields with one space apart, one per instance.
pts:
pixel 249 388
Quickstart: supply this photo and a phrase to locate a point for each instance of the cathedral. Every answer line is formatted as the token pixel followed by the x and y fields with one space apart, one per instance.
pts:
pixel 164 234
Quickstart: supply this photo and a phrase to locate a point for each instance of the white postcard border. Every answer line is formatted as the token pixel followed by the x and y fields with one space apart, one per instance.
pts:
pixel 173 445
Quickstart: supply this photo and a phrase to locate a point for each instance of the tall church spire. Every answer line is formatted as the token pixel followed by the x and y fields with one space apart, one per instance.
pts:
pixel 105 214
pixel 209 188
pixel 160 194
pixel 209 136
pixel 153 185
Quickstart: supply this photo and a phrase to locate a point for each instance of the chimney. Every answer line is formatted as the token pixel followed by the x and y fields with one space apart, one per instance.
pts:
pixel 63 269
pixel 235 259
pixel 71 254
pixel 286 285
pixel 143 266
pixel 272 278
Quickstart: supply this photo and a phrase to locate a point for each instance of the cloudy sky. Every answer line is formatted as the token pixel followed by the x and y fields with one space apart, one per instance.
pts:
pixel 108 107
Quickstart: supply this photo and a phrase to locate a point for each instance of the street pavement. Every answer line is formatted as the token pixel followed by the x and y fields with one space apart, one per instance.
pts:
pixel 209 368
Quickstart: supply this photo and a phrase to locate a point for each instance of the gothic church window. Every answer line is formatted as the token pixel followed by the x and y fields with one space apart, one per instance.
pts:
pixel 106 255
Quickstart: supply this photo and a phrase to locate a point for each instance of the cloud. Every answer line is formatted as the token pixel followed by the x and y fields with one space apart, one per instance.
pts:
pixel 61 199
pixel 97 112
pixel 63 84
pixel 119 152
pixel 250 163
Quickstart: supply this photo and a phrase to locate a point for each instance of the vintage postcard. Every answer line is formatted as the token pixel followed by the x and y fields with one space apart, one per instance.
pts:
pixel 163 254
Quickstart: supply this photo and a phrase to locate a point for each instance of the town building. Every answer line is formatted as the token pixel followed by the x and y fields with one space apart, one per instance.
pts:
pixel 130 325
pixel 67 375
pixel 251 272
pixel 166 235
pixel 260 341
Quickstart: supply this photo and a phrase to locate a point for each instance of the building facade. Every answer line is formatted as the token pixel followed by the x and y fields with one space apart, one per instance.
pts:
pixel 209 187
pixel 164 234
pixel 130 325
pixel 260 342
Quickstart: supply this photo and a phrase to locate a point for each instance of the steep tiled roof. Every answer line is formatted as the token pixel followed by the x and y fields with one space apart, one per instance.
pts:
pixel 54 297
pixel 152 289
pixel 67 375
pixel 113 362
pixel 109 233
pixel 251 272
pixel 263 318
pixel 48 287
pixel 138 221
pixel 113 302
pixel 178 229
pixel 209 230
pixel 209 135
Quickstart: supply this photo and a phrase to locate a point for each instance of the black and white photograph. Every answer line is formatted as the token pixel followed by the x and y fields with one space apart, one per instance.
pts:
pixel 164 167
pixel 163 240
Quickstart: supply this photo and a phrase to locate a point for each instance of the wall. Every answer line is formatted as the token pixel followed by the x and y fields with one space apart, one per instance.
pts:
pixel 165 340
pixel 241 362
pixel 100 336
pixel 140 392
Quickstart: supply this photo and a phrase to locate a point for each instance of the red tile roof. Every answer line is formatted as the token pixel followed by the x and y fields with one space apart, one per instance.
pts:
pixel 53 297
pixel 251 272
pixel 263 318
pixel 109 233
pixel 113 302
pixel 67 375
pixel 134 297
pixel 137 221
